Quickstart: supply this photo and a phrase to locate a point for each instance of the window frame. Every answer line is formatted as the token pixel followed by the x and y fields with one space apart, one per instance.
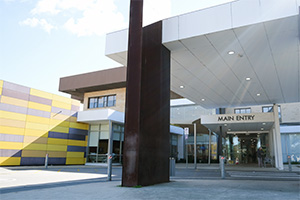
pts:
pixel 105 103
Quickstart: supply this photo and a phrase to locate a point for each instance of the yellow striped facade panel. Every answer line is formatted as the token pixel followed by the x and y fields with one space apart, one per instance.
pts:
pixel 10 161
pixel 33 153
pixel 75 102
pixel 79 125
pixel 57 154
pixel 14 101
pixel 11 145
pixel 55 122
pixel 12 115
pixel 73 119
pixel 37 126
pixel 35 139
pixel 35 119
pixel 74 161
pixel 0 90
pixel 57 141
pixel 39 106
pixel 1 83
pixel 75 154
pixel 33 146
pixel 60 104
pixel 76 143
pixel 59 129
pixel 60 117
pixel 12 130
pixel 38 133
pixel 62 99
pixel 12 123
pixel 54 147
pixel 40 93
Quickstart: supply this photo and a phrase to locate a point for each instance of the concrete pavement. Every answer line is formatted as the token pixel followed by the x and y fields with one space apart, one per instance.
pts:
pixel 89 182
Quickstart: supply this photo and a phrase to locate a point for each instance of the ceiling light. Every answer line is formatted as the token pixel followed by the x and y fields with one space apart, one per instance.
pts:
pixel 181 87
pixel 258 94
pixel 264 123
pixel 229 129
pixel 231 52
pixel 202 99
pixel 262 129
pixel 225 124
pixel 248 79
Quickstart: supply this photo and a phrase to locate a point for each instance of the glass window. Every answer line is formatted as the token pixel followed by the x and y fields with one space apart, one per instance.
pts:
pixel 242 110
pixel 267 109
pixel 104 101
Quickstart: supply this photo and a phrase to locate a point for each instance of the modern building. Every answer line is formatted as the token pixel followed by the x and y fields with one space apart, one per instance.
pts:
pixel 103 96
pixel 239 55
pixel 35 124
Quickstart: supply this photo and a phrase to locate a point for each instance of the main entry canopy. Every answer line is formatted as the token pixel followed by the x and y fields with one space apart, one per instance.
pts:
pixel 236 54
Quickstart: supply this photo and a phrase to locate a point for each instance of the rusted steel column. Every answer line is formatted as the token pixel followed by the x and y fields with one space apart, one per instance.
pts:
pixel 133 95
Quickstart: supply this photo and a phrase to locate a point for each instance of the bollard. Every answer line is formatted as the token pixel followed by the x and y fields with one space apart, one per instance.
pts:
pixel 109 166
pixel 46 161
pixel 172 167
pixel 290 164
pixel 222 166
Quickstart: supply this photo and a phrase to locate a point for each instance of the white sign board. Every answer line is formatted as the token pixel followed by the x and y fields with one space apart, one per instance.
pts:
pixel 186 132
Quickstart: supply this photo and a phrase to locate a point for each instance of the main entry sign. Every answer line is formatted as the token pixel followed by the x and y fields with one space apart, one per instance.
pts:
pixel 237 118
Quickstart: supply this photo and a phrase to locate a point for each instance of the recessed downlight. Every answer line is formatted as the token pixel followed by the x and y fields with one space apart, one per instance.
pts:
pixel 262 129
pixel 248 79
pixel 264 123
pixel 231 52
pixel 181 87
pixel 202 99
pixel 258 94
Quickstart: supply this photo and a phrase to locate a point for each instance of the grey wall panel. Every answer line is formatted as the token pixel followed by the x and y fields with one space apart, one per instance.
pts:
pixel 13 108
pixel 40 100
pixel 15 94
pixel 11 138
pixel 16 87
pixel 61 111
pixel 38 113
pixel 10 153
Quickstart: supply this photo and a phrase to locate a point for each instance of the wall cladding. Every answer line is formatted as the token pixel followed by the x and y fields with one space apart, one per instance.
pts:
pixel 34 123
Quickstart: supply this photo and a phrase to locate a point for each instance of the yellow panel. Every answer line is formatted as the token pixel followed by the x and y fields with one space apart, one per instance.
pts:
pixel 37 126
pixel 59 117
pixel 75 154
pixel 35 119
pixel 57 141
pixel 40 93
pixel 35 139
pixel 12 130
pixel 13 123
pixel 73 119
pixel 14 101
pixel 76 143
pixel 33 153
pixel 38 133
pixel 60 129
pixel 39 106
pixel 53 147
pixel 11 145
pixel 79 125
pixel 10 161
pixel 1 83
pixel 33 146
pixel 56 122
pixel 12 115
pixel 74 161
pixel 61 105
pixel 75 102
pixel 57 154
pixel 62 99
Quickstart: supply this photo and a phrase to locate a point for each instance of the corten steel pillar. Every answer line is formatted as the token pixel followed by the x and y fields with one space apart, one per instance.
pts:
pixel 147 112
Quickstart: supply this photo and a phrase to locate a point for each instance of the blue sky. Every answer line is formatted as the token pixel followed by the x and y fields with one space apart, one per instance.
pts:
pixel 43 40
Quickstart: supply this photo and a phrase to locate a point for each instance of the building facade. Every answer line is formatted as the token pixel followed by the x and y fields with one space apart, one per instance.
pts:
pixel 35 123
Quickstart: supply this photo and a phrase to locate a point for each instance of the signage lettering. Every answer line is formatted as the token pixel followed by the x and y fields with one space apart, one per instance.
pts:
pixel 236 118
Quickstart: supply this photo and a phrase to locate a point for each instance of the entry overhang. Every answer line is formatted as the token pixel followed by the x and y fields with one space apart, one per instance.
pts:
pixel 239 123
pixel 263 35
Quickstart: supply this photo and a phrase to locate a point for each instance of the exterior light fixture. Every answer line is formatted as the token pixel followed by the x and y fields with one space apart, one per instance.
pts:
pixel 229 129
pixel 181 87
pixel 225 124
pixel 231 52
pixel 258 94
pixel 264 123
pixel 248 79
pixel 262 129
pixel 202 99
